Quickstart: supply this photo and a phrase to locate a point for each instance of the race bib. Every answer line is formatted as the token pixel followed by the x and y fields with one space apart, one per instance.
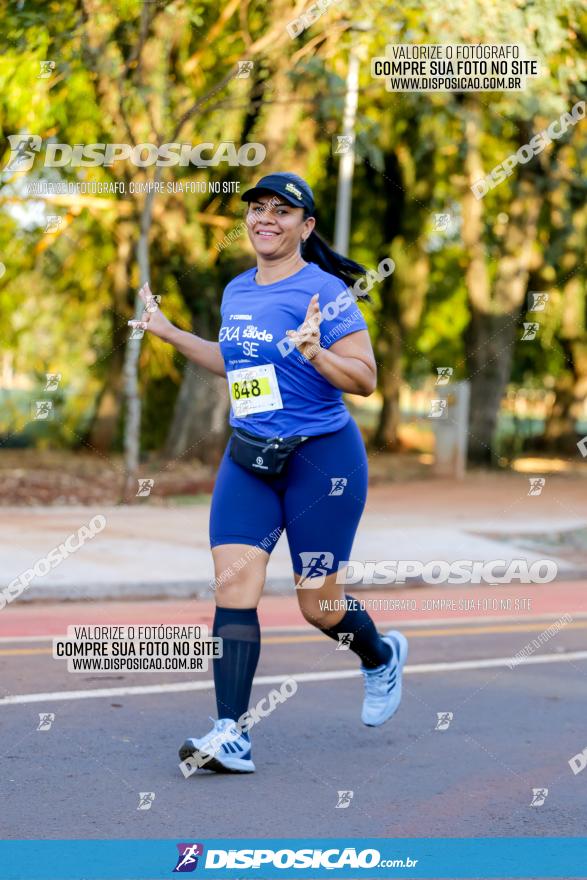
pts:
pixel 254 389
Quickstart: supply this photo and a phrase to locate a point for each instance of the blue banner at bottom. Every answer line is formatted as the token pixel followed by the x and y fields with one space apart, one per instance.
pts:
pixel 304 858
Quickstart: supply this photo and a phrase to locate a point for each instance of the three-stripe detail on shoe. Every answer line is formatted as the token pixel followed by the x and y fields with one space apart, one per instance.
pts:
pixel 233 747
pixel 392 679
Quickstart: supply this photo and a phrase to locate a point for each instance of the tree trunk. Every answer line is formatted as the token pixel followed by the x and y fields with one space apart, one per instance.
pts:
pixel 495 309
pixel 132 427
pixel 388 342
pixel 490 342
pixel 102 431
pixel 198 429
pixel 560 433
pixel 389 359
pixel 402 303
pixel 199 425
pixel 580 389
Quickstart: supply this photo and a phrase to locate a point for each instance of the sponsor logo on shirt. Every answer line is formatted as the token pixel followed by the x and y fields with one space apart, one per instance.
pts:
pixel 241 317
pixel 253 332
pixel 248 338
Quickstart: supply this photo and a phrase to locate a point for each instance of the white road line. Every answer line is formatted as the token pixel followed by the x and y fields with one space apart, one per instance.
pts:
pixel 428 622
pixel 179 687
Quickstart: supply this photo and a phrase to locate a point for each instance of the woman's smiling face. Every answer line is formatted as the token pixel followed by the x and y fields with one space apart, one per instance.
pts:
pixel 275 227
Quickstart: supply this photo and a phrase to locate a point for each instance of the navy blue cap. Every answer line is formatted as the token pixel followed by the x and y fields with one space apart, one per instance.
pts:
pixel 290 187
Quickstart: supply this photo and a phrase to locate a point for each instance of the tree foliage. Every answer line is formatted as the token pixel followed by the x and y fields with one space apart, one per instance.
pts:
pixel 154 72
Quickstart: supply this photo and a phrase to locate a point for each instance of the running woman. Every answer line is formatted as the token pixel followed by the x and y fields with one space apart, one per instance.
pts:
pixel 292 341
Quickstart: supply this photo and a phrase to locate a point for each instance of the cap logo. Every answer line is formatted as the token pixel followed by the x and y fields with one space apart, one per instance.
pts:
pixel 292 188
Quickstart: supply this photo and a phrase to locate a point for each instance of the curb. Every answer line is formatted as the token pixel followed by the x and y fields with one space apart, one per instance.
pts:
pixel 160 590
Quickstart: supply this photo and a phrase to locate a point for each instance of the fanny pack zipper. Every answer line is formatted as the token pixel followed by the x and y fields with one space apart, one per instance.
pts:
pixel 273 443
pixel 262 443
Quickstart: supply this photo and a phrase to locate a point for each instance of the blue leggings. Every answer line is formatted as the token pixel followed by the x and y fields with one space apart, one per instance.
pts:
pixel 318 500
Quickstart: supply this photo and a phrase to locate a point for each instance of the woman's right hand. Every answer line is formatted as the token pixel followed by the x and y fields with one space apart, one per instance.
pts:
pixel 152 318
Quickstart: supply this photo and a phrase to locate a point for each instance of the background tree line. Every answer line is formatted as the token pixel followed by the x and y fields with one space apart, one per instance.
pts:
pixel 157 72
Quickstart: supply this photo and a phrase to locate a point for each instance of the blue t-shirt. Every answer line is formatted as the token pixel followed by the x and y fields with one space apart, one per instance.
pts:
pixel 274 390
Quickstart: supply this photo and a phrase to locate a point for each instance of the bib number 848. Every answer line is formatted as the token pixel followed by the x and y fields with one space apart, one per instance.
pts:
pixel 246 388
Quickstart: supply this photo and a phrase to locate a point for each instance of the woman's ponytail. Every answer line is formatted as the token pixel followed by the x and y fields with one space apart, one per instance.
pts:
pixel 315 250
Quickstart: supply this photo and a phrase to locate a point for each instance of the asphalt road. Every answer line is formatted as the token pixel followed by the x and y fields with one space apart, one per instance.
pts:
pixel 512 730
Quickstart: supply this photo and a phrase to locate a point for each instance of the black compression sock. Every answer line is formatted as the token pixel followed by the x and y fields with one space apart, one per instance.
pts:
pixel 233 672
pixel 364 639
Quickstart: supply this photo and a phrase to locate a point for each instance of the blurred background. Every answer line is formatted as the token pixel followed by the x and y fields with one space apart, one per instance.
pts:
pixel 467 271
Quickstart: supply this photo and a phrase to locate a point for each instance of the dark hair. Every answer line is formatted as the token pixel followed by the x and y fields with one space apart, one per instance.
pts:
pixel 316 250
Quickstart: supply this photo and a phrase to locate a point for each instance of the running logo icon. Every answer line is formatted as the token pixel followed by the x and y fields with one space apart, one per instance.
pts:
pixel 146 799
pixel 444 374
pixel 539 795
pixel 23 149
pixel 444 719
pixel 53 380
pixel 539 301
pixel 537 484
pixel 43 410
pixel 153 302
pixel 344 144
pixel 46 719
pixel 244 69
pixel 530 331
pixel 145 487
pixel 47 68
pixel 442 222
pixel 344 799
pixel 316 566
pixel 344 641
pixel 438 408
pixel 338 484
pixel 53 224
pixel 188 857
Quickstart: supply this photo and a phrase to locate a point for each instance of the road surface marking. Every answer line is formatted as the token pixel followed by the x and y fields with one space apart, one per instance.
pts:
pixel 427 622
pixel 431 622
pixel 292 640
pixel 432 633
pixel 179 687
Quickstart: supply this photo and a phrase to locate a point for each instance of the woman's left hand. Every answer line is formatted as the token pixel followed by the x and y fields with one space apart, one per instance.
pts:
pixel 307 338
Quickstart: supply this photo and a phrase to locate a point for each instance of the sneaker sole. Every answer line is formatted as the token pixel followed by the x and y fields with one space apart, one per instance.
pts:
pixel 243 766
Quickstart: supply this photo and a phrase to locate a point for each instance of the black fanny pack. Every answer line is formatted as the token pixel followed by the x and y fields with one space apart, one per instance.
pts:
pixel 260 455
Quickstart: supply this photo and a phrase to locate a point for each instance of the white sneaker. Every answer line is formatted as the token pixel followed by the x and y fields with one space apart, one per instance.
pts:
pixel 383 685
pixel 224 749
